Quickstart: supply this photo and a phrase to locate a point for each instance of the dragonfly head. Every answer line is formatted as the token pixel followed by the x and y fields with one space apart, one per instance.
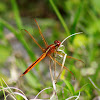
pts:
pixel 57 43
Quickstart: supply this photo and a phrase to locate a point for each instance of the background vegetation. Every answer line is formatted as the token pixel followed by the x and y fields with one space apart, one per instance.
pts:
pixel 57 20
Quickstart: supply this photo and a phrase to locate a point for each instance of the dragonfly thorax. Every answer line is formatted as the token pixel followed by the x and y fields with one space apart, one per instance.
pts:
pixel 57 43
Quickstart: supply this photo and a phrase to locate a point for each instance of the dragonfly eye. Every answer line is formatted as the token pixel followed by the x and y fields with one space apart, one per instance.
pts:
pixel 57 43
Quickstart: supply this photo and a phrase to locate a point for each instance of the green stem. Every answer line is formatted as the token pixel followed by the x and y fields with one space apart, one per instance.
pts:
pixel 16 14
pixel 18 36
pixel 60 17
pixel 76 18
pixel 3 89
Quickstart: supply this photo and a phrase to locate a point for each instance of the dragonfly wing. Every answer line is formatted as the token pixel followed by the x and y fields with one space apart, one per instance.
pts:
pixel 68 56
pixel 34 40
pixel 29 39
pixel 60 64
pixel 41 34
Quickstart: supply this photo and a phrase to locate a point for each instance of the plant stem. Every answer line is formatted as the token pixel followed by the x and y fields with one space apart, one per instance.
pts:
pixel 60 17
pixel 16 14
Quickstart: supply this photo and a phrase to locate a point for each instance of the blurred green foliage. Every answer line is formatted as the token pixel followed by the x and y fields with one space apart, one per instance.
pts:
pixel 57 19
pixel 5 53
pixel 2 7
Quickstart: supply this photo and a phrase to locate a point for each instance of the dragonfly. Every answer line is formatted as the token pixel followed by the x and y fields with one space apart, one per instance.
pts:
pixel 50 49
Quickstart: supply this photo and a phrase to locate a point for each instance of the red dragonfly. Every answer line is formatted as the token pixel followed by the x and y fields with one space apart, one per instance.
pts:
pixel 50 49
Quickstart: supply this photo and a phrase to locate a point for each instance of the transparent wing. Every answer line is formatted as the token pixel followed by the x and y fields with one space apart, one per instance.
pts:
pixel 41 34
pixel 33 36
pixel 60 64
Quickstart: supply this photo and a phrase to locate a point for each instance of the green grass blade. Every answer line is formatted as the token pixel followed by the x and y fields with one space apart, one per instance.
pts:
pixel 3 90
pixel 69 85
pixel 16 14
pixel 76 18
pixel 60 17
pixel 18 36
